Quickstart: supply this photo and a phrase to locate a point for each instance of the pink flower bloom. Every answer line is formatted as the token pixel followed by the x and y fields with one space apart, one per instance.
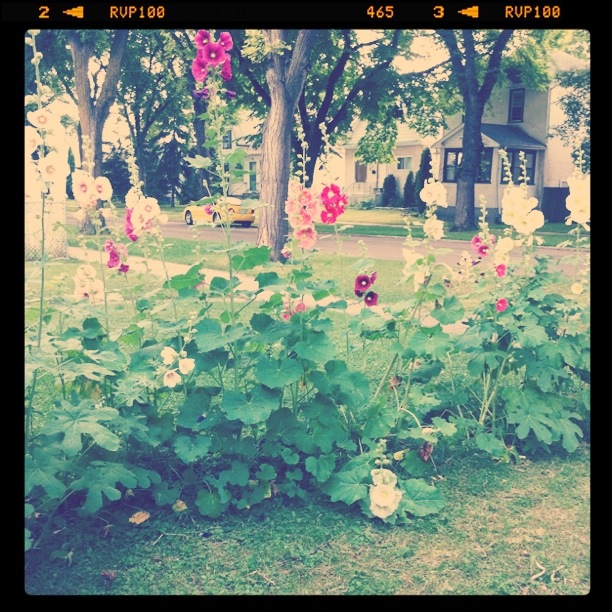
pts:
pixel 306 236
pixel 300 307
pixel 124 268
pixel 129 227
pixel 213 53
pixel 483 250
pixel 199 68
pixel 331 195
pixel 208 209
pixel 362 284
pixel 230 94
pixel 226 71
pixel 371 298
pixel 225 40
pixel 373 277
pixel 286 253
pixel 328 216
pixel 476 242
pixel 202 38
pixel 501 305
pixel 500 270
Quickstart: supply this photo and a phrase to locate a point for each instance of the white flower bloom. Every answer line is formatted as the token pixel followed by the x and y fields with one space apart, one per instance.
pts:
pixel 186 365
pixel 83 187
pixel 504 245
pixel 54 168
pixel 530 222
pixel 132 197
pixel 384 500
pixel 169 355
pixel 433 192
pixel 42 119
pixel 434 228
pixel 171 379
pixel 576 288
pixel 103 188
pixel 32 139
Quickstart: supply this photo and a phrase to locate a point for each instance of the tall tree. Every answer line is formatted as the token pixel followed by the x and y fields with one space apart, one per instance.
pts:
pixel 95 92
pixel 285 76
pixel 475 85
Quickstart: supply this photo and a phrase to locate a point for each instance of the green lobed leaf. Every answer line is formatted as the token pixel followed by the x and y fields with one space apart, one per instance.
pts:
pixel 251 408
pixel 346 486
pixel 209 334
pixel 450 312
pixel 321 467
pixel 191 448
pixel 251 258
pixel 421 499
pixel 278 373
pixel 209 504
pixel 316 347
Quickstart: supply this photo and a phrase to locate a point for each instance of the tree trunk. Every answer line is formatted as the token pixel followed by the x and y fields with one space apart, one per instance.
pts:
pixel 285 77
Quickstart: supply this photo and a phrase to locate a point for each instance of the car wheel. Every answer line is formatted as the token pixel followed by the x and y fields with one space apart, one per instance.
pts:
pixel 247 224
pixel 188 218
pixel 217 220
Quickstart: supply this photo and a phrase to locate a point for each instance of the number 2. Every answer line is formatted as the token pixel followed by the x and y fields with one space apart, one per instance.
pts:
pixel 44 12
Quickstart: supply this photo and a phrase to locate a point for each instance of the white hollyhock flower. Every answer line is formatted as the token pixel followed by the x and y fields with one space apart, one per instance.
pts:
pixel 54 168
pixel 103 188
pixel 383 476
pixel 434 228
pixel 32 139
pixel 168 354
pixel 384 500
pixel 171 379
pixel 186 365
pixel 83 187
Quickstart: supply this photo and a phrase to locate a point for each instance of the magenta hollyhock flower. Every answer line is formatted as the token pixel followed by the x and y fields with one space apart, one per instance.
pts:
pixel 328 216
pixel 373 277
pixel 476 242
pixel 230 94
pixel 225 40
pixel 500 270
pixel 330 195
pixel 226 70
pixel 202 38
pixel 213 53
pixel 362 283
pixel 483 249
pixel 300 307
pixel 129 228
pixel 124 268
pixel 203 94
pixel 371 298
pixel 199 68
pixel 501 305
pixel 208 209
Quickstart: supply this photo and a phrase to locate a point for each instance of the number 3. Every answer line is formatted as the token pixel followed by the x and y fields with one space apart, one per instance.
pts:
pixel 438 12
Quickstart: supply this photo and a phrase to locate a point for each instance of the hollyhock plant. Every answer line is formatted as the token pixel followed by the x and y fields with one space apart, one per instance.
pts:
pixel 500 270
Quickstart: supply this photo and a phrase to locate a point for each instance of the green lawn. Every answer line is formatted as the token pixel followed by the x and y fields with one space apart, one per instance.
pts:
pixel 506 530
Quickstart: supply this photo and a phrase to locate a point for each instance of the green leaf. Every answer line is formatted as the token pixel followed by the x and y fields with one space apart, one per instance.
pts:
pixel 193 409
pixel 421 499
pixel 532 335
pixel 41 470
pixel 251 408
pixel 444 427
pixel 72 422
pixel 271 329
pixel 321 467
pixel 266 472
pixel 530 410
pixel 209 504
pixel 490 444
pixel 191 448
pixel 277 373
pixel 100 478
pixel 164 494
pixel 346 486
pixel 210 335
pixel 451 311
pixel 430 341
pixel 269 279
pixel 316 347
pixel 251 258
pixel 238 474
pixel 569 432
pixel 414 465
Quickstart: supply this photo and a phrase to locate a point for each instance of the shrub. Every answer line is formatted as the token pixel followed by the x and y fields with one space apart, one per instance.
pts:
pixel 389 191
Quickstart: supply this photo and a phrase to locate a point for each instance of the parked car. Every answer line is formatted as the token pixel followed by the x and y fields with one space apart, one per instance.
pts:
pixel 232 212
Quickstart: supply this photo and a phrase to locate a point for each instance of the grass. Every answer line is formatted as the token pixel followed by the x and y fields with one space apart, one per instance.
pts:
pixel 506 530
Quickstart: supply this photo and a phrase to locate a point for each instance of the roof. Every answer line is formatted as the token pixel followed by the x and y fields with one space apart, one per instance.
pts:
pixel 504 136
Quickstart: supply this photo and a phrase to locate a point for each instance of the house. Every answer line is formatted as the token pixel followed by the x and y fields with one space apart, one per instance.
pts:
pixel 363 182
pixel 516 119
pixel 240 137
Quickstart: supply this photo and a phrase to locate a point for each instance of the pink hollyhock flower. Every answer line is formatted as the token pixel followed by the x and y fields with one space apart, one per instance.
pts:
pixel 300 307
pixel 362 283
pixel 286 253
pixel 208 209
pixel 225 40
pixel 373 277
pixel 202 38
pixel 199 68
pixel 483 250
pixel 500 270
pixel 331 195
pixel 129 227
pixel 226 71
pixel 371 298
pixel 306 236
pixel 113 254
pixel 476 242
pixel 124 268
pixel 213 53
pixel 501 305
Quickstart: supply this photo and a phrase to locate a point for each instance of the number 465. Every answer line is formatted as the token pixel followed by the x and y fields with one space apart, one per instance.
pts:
pixel 382 12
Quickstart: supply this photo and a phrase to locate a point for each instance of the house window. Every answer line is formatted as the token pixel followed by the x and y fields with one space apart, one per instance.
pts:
pixel 253 176
pixel 452 161
pixel 361 172
pixel 516 169
pixel 404 163
pixel 516 105
pixel 227 140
